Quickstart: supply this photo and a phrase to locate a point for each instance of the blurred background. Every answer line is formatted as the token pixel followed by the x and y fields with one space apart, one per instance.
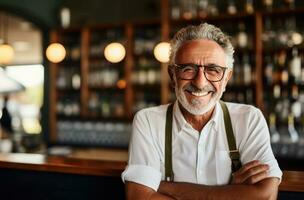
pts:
pixel 74 73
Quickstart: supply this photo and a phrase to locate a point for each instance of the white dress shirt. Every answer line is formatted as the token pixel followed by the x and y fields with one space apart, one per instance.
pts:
pixel 197 157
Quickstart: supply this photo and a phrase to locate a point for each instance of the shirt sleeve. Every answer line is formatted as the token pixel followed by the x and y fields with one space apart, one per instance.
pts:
pixel 257 144
pixel 144 162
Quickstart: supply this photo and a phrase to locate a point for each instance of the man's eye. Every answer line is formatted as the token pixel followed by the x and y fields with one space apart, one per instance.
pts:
pixel 214 69
pixel 188 69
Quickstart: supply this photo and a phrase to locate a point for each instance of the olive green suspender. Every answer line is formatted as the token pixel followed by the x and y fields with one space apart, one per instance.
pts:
pixel 233 151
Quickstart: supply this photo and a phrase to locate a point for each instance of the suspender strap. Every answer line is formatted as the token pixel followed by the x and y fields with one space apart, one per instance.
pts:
pixel 233 151
pixel 169 176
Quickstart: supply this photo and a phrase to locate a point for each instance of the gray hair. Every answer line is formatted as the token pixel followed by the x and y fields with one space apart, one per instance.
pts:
pixel 202 31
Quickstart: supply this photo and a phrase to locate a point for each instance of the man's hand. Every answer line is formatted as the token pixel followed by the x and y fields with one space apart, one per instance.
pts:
pixel 251 173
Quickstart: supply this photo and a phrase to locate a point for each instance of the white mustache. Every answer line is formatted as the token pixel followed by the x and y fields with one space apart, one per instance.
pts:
pixel 192 88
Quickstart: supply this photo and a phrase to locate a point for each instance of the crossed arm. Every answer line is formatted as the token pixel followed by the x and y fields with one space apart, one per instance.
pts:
pixel 250 182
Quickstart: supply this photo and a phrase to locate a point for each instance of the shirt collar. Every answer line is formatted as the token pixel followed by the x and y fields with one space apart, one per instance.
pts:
pixel 181 121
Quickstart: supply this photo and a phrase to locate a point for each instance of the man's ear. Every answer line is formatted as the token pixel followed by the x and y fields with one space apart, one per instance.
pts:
pixel 230 72
pixel 171 74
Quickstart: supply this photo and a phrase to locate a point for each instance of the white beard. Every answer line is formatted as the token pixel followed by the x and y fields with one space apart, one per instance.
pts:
pixel 196 107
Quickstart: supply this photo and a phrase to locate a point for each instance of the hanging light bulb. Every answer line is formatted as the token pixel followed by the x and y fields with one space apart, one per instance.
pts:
pixel 114 52
pixel 55 52
pixel 6 51
pixel 161 52
pixel 6 54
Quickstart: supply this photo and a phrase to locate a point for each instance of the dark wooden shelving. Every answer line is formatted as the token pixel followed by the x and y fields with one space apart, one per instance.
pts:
pixel 164 27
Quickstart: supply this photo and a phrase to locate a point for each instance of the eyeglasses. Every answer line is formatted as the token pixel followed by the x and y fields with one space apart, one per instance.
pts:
pixel 212 72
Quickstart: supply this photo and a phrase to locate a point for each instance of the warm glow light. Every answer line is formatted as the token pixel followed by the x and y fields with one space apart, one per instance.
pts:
pixel 161 52
pixel 296 38
pixel 55 52
pixel 121 84
pixel 6 54
pixel 114 52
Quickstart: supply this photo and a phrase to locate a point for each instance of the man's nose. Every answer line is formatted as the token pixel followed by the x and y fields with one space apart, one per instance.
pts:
pixel 200 79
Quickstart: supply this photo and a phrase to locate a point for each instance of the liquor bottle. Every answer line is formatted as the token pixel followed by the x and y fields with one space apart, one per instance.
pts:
pixel 242 37
pixel 268 71
pixel 246 70
pixel 294 35
pixel 295 66
pixel 237 70
pixel 76 81
pixel 300 150
pixel 269 34
pixel 249 7
pixel 294 136
pixel 290 4
pixel 284 69
pixel 202 8
pixel 213 8
pixel 249 96
pixel 188 9
pixel 282 33
pixel 268 4
pixel 274 134
pixel 175 9
pixel 231 8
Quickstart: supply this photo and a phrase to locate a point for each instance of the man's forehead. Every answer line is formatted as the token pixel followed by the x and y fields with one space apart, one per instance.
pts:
pixel 203 50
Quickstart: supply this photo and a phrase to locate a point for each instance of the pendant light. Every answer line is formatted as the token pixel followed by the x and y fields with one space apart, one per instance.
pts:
pixel 55 52
pixel 162 51
pixel 114 52
pixel 6 50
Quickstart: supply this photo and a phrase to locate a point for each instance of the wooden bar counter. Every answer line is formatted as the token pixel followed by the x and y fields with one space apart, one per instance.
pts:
pixel 81 176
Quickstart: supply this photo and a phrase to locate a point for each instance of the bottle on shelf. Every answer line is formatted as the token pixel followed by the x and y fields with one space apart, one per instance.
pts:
pixel 290 4
pixel 274 134
pixel 294 35
pixel 295 66
pixel 242 36
pixel 268 71
pixel 268 5
pixel 269 35
pixel 213 8
pixel 293 138
pixel 247 71
pixel 188 9
pixel 202 8
pixel 231 7
pixel 175 10
pixel 249 7
pixel 300 150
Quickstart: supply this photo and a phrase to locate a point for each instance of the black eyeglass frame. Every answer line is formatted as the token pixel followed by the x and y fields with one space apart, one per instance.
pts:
pixel 196 67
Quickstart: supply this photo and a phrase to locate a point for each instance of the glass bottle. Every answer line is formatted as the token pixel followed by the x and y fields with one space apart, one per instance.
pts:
pixel 269 34
pixel 268 71
pixel 242 37
pixel 268 4
pixel 231 8
pixel 175 9
pixel 213 8
pixel 249 7
pixel 274 134
pixel 294 136
pixel 188 9
pixel 295 66
pixel 202 8
pixel 290 4
pixel 300 150
pixel 246 70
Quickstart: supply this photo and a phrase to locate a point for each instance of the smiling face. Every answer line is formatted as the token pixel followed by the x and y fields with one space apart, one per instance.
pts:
pixel 198 96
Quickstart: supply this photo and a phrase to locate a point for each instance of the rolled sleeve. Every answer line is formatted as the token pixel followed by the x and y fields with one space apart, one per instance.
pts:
pixel 257 146
pixel 142 174
pixel 274 170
